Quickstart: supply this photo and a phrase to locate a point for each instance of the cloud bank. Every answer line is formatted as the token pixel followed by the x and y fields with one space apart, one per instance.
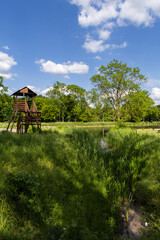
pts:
pixel 104 15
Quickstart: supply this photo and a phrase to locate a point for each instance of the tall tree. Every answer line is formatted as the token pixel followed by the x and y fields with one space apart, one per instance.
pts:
pixel 115 81
pixel 58 93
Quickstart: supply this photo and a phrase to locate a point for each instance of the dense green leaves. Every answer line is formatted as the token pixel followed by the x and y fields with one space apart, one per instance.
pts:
pixel 6 107
pixel 138 105
pixel 115 81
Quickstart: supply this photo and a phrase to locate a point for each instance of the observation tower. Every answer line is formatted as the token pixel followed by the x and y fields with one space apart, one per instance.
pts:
pixel 25 112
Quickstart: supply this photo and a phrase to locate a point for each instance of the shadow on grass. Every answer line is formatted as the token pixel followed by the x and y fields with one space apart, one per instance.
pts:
pixel 54 186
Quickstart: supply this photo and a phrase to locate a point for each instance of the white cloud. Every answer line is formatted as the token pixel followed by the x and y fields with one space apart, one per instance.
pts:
pixel 123 45
pixel 152 83
pixel 6 62
pixel 107 14
pixel 98 57
pixel 63 69
pixel 104 34
pixel 94 46
pixel 46 90
pixel 67 77
pixel 109 25
pixel 96 12
pixel 136 12
pixel 34 89
pixel 38 91
pixel 155 93
pixel 6 47
pixel 93 13
pixel 9 92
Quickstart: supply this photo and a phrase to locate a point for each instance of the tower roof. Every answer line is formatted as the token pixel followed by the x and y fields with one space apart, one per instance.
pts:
pixel 24 92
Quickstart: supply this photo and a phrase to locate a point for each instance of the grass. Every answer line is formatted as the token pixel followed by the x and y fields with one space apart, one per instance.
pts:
pixel 134 161
pixel 54 186
pixel 3 124
pixel 61 184
pixel 94 124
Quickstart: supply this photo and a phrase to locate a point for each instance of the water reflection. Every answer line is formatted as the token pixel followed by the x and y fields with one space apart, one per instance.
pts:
pixel 99 134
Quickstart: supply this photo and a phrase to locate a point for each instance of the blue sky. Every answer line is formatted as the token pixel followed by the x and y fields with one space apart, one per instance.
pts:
pixel 44 41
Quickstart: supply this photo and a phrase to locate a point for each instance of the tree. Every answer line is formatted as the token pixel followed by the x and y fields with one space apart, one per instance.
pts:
pixel 115 81
pixel 71 100
pixel 6 107
pixel 58 93
pixel 50 112
pixel 153 114
pixel 2 87
pixel 137 106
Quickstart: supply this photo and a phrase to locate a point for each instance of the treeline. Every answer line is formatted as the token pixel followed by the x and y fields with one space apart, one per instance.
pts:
pixel 71 103
pixel 116 96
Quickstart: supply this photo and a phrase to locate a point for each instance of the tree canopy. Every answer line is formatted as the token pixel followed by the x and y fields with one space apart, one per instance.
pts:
pixel 115 81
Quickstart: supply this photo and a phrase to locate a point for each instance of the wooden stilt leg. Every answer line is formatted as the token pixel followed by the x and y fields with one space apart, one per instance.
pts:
pixel 13 121
pixel 10 120
pixel 19 123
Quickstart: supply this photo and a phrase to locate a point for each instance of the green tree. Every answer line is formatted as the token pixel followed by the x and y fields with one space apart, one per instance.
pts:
pixel 115 81
pixel 79 102
pixel 96 102
pixel 58 93
pixel 2 87
pixel 137 107
pixel 40 101
pixel 153 114
pixel 71 101
pixel 50 112
pixel 6 107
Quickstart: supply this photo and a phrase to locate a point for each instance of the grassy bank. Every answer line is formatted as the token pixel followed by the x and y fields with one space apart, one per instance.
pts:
pixel 134 161
pixel 54 186
pixel 61 185
pixel 137 125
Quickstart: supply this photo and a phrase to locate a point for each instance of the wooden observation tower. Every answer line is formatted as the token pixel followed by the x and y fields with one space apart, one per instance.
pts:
pixel 24 111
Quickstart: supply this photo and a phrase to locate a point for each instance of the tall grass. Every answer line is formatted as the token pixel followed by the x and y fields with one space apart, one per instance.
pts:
pixel 60 185
pixel 134 160
pixel 54 186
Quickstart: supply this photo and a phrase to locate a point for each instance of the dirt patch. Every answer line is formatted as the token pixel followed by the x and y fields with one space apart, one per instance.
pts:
pixel 4 129
pixel 133 226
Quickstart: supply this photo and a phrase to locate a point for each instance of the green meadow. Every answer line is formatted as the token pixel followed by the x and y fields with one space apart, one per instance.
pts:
pixel 62 185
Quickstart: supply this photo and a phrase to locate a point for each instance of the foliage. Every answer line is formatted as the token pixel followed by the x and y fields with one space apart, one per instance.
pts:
pixel 115 81
pixel 50 112
pixel 138 105
pixel 2 87
pixel 71 100
pixel 6 107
